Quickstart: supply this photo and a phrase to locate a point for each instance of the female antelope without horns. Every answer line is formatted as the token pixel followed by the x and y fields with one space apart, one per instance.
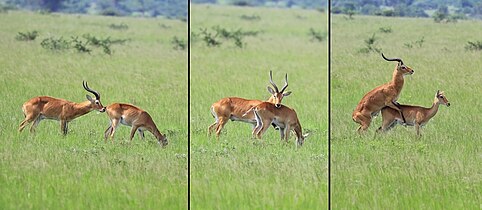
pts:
pixel 234 108
pixel 381 96
pixel 46 107
pixel 284 117
pixel 135 117
pixel 414 115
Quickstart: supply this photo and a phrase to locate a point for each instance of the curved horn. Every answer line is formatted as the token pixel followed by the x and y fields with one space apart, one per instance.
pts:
pixel 286 83
pixel 86 87
pixel 271 81
pixel 392 59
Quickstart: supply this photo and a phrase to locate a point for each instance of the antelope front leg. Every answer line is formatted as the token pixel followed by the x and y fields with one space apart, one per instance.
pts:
pixel 107 132
pixel 64 127
pixel 35 124
pixel 115 123
pixel 417 128
pixel 133 131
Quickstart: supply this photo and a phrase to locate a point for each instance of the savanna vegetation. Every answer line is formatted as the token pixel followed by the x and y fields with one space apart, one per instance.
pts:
pixel 237 171
pixel 46 170
pixel 398 170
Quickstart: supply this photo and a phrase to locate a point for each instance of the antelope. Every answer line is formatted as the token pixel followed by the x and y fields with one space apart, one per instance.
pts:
pixel 134 117
pixel 46 107
pixel 382 96
pixel 234 108
pixel 284 117
pixel 414 115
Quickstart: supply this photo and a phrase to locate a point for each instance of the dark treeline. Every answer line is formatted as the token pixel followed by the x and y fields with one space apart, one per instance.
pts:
pixel 458 9
pixel 146 8
pixel 305 4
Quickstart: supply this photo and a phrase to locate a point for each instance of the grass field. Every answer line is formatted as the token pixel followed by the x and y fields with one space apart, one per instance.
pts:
pixel 236 171
pixel 440 170
pixel 80 171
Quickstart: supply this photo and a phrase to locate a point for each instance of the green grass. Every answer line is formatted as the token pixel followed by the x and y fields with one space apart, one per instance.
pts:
pixel 236 171
pixel 79 171
pixel 440 170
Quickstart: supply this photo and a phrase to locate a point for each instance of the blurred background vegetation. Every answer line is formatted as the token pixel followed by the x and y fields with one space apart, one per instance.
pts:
pixel 438 9
pixel 145 8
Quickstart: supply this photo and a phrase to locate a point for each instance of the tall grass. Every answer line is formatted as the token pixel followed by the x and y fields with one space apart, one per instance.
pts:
pixel 440 170
pixel 237 171
pixel 80 171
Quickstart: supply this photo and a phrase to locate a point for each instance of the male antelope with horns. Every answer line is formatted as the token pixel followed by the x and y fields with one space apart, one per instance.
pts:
pixel 46 107
pixel 385 95
pixel 234 108
pixel 414 115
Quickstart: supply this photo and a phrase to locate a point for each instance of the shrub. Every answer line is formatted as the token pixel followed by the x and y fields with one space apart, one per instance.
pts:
pixel 476 45
pixel 316 35
pixel 250 17
pixel 121 26
pixel 179 44
pixel 210 39
pixel 80 46
pixel 370 45
pixel 55 44
pixel 27 36
pixel 385 29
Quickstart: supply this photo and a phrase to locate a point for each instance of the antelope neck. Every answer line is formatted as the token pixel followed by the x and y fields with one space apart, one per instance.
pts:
pixel 397 78
pixel 81 109
pixel 433 110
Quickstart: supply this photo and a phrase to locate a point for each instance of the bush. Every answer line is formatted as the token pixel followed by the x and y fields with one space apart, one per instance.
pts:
pixel 210 39
pixel 121 26
pixel 385 29
pixel 27 36
pixel 370 45
pixel 55 44
pixel 250 17
pixel 179 44
pixel 80 46
pixel 476 45
pixel 316 35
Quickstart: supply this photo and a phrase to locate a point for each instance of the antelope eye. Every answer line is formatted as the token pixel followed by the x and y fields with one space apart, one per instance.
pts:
pixel 96 102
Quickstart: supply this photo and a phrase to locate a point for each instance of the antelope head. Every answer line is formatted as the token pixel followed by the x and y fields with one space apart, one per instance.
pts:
pixel 405 70
pixel 276 95
pixel 441 99
pixel 94 103
pixel 301 140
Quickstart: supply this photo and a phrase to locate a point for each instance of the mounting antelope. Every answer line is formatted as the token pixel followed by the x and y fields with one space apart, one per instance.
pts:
pixel 414 115
pixel 134 117
pixel 284 117
pixel 382 96
pixel 234 108
pixel 46 107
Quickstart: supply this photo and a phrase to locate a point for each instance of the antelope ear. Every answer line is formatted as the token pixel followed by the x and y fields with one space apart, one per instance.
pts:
pixel 438 92
pixel 287 93
pixel 270 90
pixel 89 98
